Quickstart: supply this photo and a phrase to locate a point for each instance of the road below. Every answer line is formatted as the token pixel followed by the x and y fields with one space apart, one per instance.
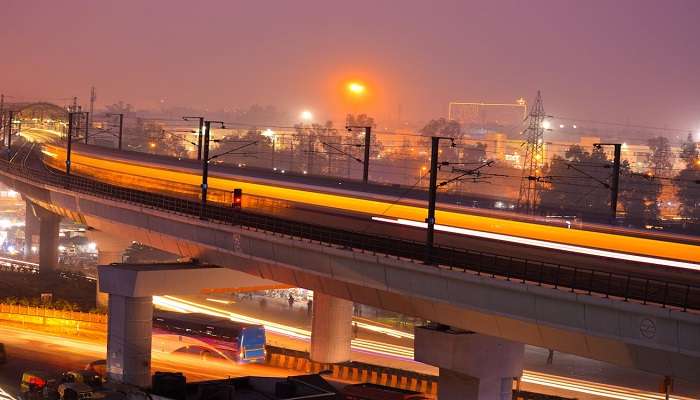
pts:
pixel 381 344
pixel 31 348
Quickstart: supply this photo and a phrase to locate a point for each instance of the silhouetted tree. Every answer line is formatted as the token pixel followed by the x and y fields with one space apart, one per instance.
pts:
pixel 661 158
pixel 578 186
pixel 442 127
pixel 688 184
pixel 309 143
pixel 119 108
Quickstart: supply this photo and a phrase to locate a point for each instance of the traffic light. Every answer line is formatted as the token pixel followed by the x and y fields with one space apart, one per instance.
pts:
pixel 237 198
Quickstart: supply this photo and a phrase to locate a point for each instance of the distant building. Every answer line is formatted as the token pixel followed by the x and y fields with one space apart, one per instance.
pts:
pixel 479 119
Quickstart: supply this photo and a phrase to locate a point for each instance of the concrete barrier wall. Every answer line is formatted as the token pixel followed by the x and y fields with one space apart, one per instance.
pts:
pixel 51 317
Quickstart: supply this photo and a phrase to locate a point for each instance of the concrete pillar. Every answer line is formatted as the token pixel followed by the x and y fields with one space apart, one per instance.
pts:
pixel 105 258
pixel 48 241
pixel 331 329
pixel 472 366
pixel 31 228
pixel 129 339
pixel 110 249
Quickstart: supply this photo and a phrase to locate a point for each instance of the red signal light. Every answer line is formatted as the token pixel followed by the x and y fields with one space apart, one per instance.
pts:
pixel 237 198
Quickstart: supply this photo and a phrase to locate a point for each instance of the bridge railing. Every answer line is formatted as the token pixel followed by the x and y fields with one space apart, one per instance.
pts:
pixel 623 286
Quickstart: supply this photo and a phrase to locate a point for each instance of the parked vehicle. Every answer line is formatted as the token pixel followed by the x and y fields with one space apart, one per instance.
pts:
pixel 75 391
pixel 98 367
pixel 37 385
pixel 370 391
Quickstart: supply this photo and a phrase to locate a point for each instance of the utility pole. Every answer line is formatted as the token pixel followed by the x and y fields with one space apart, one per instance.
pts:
pixel 273 140
pixel 121 128
pixel 205 164
pixel 615 185
pixel 199 134
pixel 432 196
pixel 365 165
pixel 93 97
pixel 2 111
pixel 87 124
pixel 367 145
pixel 8 128
pixel 70 141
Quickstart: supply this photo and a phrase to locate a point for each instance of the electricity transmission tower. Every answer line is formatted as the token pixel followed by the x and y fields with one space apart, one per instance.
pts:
pixel 534 156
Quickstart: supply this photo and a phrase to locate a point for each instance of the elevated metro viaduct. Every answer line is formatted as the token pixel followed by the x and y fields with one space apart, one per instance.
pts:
pixel 396 212
pixel 491 318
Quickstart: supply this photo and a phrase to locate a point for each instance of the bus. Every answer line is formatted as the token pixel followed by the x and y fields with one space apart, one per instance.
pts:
pixel 243 343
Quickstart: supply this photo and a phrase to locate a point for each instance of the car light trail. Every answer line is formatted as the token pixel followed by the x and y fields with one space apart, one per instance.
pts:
pixel 219 301
pixel 544 244
pixel 592 388
pixel 365 345
pixel 5 396
pixel 403 352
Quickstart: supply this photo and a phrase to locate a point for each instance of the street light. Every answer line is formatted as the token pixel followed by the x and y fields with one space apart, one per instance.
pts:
pixel 306 115
pixel 356 88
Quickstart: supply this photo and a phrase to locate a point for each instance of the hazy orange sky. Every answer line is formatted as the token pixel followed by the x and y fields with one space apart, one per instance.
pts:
pixel 624 60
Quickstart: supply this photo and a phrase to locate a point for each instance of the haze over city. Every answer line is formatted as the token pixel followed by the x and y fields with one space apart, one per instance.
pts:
pixel 621 61
pixel 365 200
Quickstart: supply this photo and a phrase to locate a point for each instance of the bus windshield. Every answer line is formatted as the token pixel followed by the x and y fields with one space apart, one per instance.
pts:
pixel 237 341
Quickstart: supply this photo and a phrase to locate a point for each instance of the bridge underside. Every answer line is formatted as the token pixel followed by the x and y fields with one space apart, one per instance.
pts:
pixel 644 337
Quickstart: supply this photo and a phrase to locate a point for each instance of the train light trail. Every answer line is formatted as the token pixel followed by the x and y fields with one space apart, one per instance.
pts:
pixel 340 201
pixel 545 244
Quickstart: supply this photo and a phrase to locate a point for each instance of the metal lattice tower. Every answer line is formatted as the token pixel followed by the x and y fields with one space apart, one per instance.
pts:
pixel 534 156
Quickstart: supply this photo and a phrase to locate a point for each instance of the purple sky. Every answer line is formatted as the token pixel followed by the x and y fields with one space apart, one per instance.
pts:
pixel 622 60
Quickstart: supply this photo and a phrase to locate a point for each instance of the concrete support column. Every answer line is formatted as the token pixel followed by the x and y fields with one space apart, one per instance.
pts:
pixel 31 228
pixel 48 241
pixel 472 366
pixel 105 258
pixel 110 249
pixel 129 339
pixel 331 329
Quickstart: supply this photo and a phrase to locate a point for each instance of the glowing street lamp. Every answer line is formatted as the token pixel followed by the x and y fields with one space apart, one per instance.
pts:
pixel 356 88
pixel 306 115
